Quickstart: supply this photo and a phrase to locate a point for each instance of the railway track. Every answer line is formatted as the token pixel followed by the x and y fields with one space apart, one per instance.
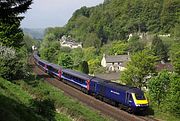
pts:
pixel 88 100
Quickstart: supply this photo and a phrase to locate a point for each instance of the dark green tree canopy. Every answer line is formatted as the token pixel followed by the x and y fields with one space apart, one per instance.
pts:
pixel 111 22
pixel 84 67
pixel 12 36
pixel 10 9
pixel 159 49
pixel 141 66
pixel 10 33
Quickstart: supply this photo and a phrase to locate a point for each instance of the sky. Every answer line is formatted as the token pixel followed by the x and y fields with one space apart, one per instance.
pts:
pixel 51 13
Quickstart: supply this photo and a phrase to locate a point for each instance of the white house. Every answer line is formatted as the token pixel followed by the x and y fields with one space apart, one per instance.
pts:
pixel 115 63
pixel 66 42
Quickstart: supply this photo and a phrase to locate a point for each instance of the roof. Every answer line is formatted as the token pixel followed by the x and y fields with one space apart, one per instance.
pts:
pixel 77 74
pixel 117 58
pixel 55 66
pixel 167 66
pixel 112 84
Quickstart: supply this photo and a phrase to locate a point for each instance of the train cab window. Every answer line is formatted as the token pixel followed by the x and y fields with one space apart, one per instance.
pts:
pixel 130 98
pixel 140 96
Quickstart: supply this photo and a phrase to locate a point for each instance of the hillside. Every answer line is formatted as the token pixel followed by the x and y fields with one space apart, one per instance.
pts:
pixel 35 33
pixel 35 100
pixel 14 103
pixel 116 19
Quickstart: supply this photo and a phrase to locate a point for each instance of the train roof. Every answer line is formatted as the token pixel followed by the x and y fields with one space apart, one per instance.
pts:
pixel 77 74
pixel 55 66
pixel 44 61
pixel 135 90
pixel 113 84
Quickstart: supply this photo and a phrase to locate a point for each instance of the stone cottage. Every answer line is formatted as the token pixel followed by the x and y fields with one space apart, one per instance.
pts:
pixel 115 63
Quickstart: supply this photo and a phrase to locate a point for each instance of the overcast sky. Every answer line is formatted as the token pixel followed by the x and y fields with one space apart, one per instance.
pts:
pixel 50 13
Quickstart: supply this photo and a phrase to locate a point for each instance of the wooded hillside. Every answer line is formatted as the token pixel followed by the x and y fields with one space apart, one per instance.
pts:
pixel 116 19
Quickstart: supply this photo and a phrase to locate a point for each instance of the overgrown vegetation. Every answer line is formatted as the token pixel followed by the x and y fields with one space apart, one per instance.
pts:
pixel 116 19
pixel 11 36
pixel 164 94
pixel 36 100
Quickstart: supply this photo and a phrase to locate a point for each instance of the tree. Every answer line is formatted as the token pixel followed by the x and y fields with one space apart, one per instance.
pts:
pixel 49 48
pixel 164 92
pixel 135 44
pixel 141 66
pixel 29 42
pixel 66 61
pixel 174 95
pixel 118 48
pixel 44 107
pixel 11 34
pixel 12 64
pixel 84 67
pixel 77 56
pixel 158 87
pixel 158 48
pixel 94 64
pixel 175 57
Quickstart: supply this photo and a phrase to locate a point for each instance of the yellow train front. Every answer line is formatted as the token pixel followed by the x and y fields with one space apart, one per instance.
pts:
pixel 136 101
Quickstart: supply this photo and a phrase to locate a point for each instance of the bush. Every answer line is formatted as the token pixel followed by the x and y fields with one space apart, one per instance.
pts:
pixel 13 63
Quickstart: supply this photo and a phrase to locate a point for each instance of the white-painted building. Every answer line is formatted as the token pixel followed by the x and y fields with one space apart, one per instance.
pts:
pixel 115 63
pixel 66 42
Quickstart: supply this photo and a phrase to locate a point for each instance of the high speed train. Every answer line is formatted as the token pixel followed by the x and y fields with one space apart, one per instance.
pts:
pixel 129 98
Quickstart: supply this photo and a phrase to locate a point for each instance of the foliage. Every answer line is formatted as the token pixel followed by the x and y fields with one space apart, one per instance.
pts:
pixel 158 87
pixel 89 53
pixel 164 92
pixel 29 42
pixel 77 56
pixel 135 44
pixel 66 61
pixel 49 48
pixel 175 56
pixel 67 107
pixel 84 67
pixel 15 103
pixel 12 66
pixel 57 31
pixel 44 107
pixel 118 48
pixel 94 64
pixel 12 36
pixel 159 49
pixel 110 22
pixel 141 66
pixel 174 95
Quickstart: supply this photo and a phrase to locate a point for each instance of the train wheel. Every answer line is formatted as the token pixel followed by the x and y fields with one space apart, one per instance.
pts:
pixel 130 110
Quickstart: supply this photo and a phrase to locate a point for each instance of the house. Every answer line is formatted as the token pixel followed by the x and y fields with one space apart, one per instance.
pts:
pixel 115 63
pixel 164 66
pixel 67 42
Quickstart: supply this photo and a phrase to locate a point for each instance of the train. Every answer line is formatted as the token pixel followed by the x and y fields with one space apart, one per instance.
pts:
pixel 131 99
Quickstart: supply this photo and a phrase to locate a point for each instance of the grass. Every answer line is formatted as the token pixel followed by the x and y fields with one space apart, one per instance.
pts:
pixel 165 116
pixel 158 113
pixel 15 104
pixel 22 100
pixel 64 104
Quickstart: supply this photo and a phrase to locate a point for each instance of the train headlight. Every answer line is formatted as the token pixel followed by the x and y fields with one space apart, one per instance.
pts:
pixel 138 105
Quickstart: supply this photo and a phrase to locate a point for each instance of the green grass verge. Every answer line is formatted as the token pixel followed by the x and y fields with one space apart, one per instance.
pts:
pixel 64 104
pixel 164 116
pixel 15 104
